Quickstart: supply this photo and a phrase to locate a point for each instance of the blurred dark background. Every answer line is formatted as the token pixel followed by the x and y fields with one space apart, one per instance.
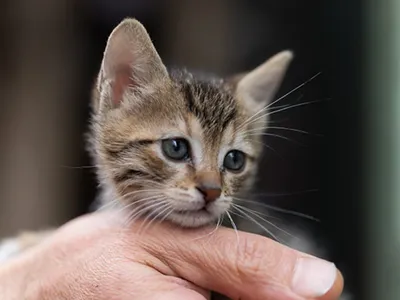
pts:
pixel 51 52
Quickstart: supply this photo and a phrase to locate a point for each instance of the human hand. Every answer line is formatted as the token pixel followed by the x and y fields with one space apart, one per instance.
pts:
pixel 96 257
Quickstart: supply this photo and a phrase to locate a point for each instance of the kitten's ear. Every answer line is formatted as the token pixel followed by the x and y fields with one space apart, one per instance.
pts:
pixel 130 61
pixel 258 87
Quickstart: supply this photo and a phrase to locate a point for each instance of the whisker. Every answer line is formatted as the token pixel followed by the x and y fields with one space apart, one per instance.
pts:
pixel 219 223
pixel 268 113
pixel 145 204
pixel 141 209
pixel 234 227
pixel 78 167
pixel 270 148
pixel 169 209
pixel 277 136
pixel 108 205
pixel 136 214
pixel 211 232
pixel 293 90
pixel 275 108
pixel 285 194
pixel 250 119
pixel 259 213
pixel 166 215
pixel 157 212
pixel 147 200
pixel 294 130
pixel 298 104
pixel 124 213
pixel 244 214
pixel 281 210
pixel 261 129
pixel 117 201
pixel 279 106
pixel 255 213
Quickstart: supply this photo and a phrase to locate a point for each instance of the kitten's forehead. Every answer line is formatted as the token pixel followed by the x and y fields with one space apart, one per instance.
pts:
pixel 205 110
pixel 209 101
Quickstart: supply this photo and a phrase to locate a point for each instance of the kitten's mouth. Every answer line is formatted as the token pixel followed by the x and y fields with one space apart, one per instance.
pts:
pixel 194 217
pixel 192 212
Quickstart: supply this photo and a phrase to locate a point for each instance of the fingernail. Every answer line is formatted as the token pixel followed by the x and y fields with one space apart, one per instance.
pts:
pixel 313 277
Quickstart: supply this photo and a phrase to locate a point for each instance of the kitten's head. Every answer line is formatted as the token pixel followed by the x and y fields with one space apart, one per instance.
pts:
pixel 174 146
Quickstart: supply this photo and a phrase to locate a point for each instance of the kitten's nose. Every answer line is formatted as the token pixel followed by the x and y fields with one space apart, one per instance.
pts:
pixel 210 193
pixel 209 184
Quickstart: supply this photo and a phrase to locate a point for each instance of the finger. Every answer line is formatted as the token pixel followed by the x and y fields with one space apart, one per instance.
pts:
pixel 181 294
pixel 186 285
pixel 246 266
pixel 174 288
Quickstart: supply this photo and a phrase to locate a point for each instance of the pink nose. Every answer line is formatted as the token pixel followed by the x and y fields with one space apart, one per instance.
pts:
pixel 210 193
pixel 209 184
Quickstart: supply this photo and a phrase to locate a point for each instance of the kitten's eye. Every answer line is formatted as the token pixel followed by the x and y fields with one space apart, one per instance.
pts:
pixel 234 160
pixel 176 149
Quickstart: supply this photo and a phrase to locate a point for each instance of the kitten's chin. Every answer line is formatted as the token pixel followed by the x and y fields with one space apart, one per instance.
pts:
pixel 192 219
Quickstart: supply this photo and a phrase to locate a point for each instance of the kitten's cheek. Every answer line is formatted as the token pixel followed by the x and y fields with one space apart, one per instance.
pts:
pixel 217 209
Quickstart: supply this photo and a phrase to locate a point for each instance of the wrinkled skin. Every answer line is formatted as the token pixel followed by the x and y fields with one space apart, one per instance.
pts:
pixel 95 257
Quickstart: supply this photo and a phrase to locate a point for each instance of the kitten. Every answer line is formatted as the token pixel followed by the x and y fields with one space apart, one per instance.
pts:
pixel 189 145
pixel 172 145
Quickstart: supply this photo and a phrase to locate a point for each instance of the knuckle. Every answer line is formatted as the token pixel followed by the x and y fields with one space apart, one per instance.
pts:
pixel 250 259
pixel 259 261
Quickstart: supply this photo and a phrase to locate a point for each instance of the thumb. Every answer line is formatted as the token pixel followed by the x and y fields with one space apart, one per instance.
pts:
pixel 242 265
